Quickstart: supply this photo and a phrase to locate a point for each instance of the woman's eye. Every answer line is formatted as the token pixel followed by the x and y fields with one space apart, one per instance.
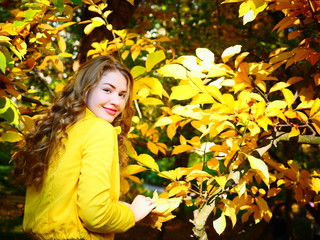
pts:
pixel 107 90
pixel 122 95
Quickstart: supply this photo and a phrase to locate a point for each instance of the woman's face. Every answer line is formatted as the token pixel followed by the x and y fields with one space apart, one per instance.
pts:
pixel 108 98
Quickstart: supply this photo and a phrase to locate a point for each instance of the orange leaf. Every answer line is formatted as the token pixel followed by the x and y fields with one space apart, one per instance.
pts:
pixel 294 34
pixel 181 148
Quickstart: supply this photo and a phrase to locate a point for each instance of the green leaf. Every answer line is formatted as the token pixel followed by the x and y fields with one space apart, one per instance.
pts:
pixel 4 39
pixel 11 136
pixel 9 111
pixel 9 59
pixel 154 58
pixel 77 2
pixel 18 23
pixel 59 5
pixel 30 13
pixel 4 104
pixel 137 71
pixel 3 62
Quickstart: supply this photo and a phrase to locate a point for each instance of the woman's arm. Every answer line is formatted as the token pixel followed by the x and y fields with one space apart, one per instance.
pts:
pixel 98 205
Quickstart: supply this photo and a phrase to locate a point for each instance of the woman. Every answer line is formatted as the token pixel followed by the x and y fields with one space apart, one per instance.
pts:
pixel 70 162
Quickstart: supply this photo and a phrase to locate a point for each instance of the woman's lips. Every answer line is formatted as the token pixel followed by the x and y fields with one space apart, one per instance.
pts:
pixel 111 111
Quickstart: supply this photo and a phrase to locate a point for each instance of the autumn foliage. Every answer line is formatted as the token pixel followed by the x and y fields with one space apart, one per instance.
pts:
pixel 229 110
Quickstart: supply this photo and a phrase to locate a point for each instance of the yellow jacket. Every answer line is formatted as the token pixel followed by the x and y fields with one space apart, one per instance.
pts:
pixel 79 198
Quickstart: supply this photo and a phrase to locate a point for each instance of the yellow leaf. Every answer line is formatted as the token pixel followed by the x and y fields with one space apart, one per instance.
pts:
pixel 197 174
pixel 171 174
pixel 229 101
pixel 89 28
pixel 28 122
pixel 221 180
pixel 290 114
pixel 132 169
pixel 288 96
pixel 253 128
pixel 165 205
pixel 163 121
pixel 220 224
pixel 230 52
pixel 261 168
pixel 61 44
pixel 215 92
pixel 205 54
pixel 231 213
pixel 179 189
pixel 278 104
pixel 239 58
pixel 294 132
pixel 154 58
pixel 245 7
pixel 315 184
pixel 202 98
pixel 259 108
pixel 135 53
pixel 151 101
pixel 147 161
pixel 181 148
pixel 173 70
pixel 183 92
pixel 65 55
pixel 98 21
pixel 261 84
pixel 219 70
pixel 315 107
pixel 278 86
pixel 94 8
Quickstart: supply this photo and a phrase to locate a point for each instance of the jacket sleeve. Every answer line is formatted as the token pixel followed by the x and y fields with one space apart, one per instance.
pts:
pixel 98 210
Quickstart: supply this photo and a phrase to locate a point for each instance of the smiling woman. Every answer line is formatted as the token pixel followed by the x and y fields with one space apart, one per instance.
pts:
pixel 70 162
pixel 107 99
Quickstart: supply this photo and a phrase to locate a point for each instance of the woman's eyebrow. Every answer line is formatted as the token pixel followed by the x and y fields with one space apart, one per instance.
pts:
pixel 113 87
pixel 109 84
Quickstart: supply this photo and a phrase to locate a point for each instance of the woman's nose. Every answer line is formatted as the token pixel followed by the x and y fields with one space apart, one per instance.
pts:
pixel 115 99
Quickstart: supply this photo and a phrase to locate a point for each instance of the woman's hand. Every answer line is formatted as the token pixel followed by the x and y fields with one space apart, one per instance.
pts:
pixel 142 206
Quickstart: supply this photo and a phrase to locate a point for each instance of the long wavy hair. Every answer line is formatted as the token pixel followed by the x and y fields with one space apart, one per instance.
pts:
pixel 32 158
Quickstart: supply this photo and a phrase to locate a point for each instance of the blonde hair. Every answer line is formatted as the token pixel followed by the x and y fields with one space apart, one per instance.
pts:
pixel 32 159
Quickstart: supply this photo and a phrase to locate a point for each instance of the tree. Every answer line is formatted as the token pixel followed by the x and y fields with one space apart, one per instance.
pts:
pixel 228 110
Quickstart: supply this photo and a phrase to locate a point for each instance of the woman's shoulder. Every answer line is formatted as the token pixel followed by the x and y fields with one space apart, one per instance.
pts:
pixel 91 122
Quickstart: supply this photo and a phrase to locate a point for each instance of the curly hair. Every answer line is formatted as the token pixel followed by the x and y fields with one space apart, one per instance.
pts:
pixel 32 158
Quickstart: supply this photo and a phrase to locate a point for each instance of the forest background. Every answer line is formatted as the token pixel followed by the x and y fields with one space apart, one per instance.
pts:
pixel 227 106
